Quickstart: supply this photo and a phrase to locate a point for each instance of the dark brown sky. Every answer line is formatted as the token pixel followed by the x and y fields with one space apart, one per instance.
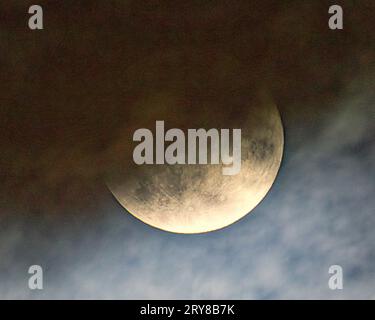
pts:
pixel 68 91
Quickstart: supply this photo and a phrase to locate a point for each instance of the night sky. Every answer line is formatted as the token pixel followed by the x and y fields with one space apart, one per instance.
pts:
pixel 69 92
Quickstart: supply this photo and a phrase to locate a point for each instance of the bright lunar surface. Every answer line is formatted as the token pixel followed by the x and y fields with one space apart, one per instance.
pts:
pixel 199 198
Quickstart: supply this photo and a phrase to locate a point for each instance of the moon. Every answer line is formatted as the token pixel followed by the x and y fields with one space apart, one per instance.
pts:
pixel 199 198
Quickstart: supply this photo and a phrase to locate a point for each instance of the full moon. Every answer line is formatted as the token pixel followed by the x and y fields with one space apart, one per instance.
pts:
pixel 199 198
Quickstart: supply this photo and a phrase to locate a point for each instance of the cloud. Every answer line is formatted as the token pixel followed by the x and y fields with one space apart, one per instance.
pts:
pixel 319 213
